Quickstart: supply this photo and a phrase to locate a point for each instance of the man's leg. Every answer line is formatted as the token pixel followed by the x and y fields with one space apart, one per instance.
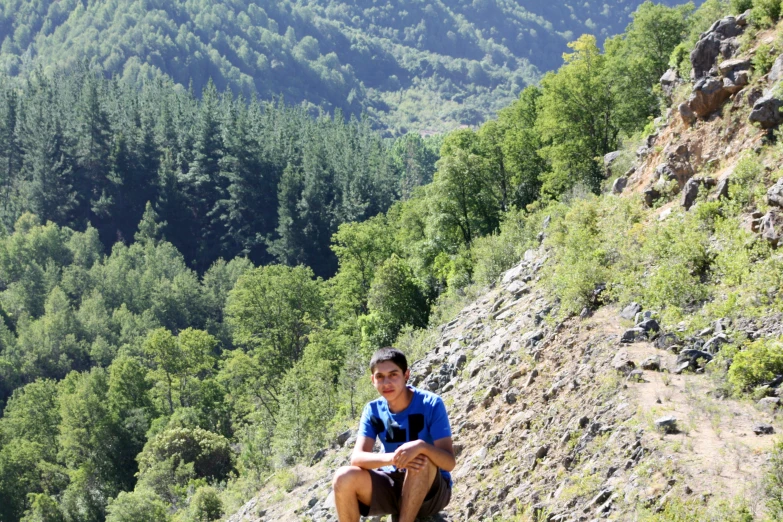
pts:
pixel 414 489
pixel 351 485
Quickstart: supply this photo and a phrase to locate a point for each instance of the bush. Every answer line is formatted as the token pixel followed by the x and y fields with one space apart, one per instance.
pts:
pixel 205 505
pixel 763 59
pixel 137 506
pixel 758 363
pixel 765 12
pixel 773 482
pixel 209 452
pixel 740 6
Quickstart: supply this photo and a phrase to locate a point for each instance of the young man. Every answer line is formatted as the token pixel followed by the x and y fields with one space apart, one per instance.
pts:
pixel 411 478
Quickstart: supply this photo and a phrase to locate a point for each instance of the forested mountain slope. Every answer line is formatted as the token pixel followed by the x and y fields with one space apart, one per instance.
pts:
pixel 410 65
pixel 145 378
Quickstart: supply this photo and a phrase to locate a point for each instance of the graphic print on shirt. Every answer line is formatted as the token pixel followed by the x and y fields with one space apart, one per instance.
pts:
pixel 396 434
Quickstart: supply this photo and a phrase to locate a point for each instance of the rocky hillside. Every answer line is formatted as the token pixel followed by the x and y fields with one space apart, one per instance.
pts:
pixel 617 413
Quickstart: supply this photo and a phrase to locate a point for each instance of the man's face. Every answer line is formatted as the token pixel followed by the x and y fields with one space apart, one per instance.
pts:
pixel 389 380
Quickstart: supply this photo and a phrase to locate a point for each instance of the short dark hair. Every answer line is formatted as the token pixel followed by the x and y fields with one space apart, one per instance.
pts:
pixel 389 354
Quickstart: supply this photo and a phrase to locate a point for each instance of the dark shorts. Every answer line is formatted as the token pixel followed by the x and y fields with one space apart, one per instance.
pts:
pixel 387 493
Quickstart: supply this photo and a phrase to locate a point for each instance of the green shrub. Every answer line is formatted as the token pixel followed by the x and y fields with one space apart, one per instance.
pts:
pixel 137 506
pixel 740 6
pixel 205 505
pixel 763 59
pixel 759 362
pixel 765 13
pixel 773 482
pixel 580 262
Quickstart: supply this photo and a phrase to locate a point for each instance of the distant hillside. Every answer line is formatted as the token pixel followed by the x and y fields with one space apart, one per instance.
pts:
pixel 408 64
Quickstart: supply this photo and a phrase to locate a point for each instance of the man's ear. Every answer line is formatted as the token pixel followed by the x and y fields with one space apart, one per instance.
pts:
pixel 407 375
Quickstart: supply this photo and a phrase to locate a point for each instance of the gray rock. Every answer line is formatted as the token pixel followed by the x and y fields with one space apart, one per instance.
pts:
pixel 775 194
pixel 602 497
pixel 652 363
pixel 531 378
pixel 667 424
pixel 609 160
pixel 666 341
pixel 689 359
pixel 769 403
pixel 319 455
pixel 722 192
pixel 688 116
pixel 766 112
pixel 776 72
pixel 630 311
pixel 690 192
pixel 727 68
pixel 511 396
pixel 651 195
pixel 714 343
pixel 669 81
pixel 763 429
pixel 619 185
pixel 771 227
pixel 343 437
pixel 622 363
pixel 632 335
pixel 649 325
pixel 708 94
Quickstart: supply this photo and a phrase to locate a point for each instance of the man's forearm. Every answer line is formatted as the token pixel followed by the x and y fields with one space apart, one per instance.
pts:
pixel 440 457
pixel 370 460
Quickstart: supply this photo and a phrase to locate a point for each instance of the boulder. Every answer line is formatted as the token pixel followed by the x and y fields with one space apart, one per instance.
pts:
pixel 766 112
pixel 609 160
pixel 763 429
pixel 776 72
pixel 689 359
pixel 667 424
pixel 619 185
pixel 633 334
pixel 719 40
pixel 669 81
pixel 709 94
pixel 690 192
pixel 729 68
pixel 687 115
pixel 722 191
pixel 622 363
pixel 630 311
pixel 775 194
pixel 650 196
pixel 652 363
pixel 771 227
pixel 649 325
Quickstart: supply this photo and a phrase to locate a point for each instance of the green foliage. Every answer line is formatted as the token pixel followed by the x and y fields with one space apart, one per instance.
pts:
pixel 205 505
pixel 773 481
pixel 137 506
pixel 763 59
pixel 765 13
pixel 740 6
pixel 577 118
pixel 394 301
pixel 272 309
pixel 177 455
pixel 581 258
pixel 758 362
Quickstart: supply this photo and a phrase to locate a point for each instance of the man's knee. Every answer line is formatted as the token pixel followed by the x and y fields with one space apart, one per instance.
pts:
pixel 345 478
pixel 428 470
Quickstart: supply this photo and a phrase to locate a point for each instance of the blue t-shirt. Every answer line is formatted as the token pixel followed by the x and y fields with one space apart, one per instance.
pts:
pixel 424 419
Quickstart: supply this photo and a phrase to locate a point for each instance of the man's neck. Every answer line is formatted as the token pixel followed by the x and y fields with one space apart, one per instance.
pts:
pixel 402 401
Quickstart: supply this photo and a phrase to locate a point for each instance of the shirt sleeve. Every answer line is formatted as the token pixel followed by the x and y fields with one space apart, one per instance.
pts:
pixel 440 426
pixel 366 429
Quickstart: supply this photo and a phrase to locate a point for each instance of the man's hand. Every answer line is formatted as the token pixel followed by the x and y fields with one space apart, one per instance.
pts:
pixel 407 453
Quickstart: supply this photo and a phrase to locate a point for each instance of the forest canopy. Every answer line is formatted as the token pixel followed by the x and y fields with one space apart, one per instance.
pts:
pixel 408 65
